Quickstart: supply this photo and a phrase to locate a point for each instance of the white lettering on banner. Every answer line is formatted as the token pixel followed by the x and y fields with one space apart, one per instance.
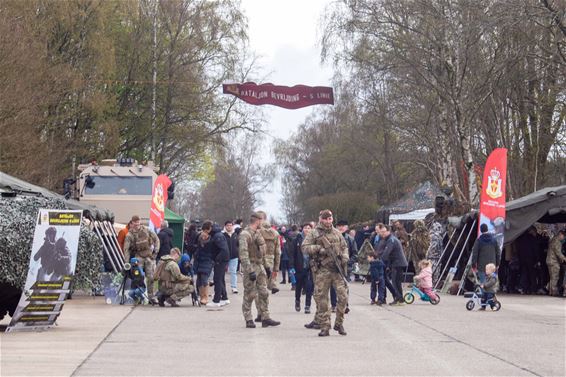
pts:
pixel 323 95
pixel 254 94
pixel 285 97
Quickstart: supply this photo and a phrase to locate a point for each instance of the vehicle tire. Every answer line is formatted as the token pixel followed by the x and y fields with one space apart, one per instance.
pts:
pixel 409 298
pixel 496 306
pixel 470 305
pixel 435 301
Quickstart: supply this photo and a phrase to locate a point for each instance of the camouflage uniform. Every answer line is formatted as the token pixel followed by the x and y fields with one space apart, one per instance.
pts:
pixel 403 236
pixel 172 282
pixel 272 257
pixel 419 243
pixel 138 244
pixel 553 260
pixel 326 272
pixel 252 259
pixel 434 252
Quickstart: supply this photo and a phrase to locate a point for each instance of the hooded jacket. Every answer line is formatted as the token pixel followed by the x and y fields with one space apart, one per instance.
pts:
pixel 218 245
pixel 185 270
pixel 233 244
pixel 165 241
pixel 486 250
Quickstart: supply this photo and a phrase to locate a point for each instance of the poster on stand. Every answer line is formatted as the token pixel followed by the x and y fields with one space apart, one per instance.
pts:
pixel 51 269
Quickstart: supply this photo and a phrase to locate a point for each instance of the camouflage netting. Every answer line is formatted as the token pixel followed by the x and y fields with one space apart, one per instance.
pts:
pixel 17 224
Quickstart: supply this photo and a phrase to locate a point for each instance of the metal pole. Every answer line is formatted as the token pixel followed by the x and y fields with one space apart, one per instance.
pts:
pixel 96 230
pixel 117 259
pixel 450 257
pixel 114 240
pixel 444 251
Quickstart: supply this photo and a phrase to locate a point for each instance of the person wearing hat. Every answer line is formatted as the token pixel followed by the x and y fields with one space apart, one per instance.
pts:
pixel 252 257
pixel 329 253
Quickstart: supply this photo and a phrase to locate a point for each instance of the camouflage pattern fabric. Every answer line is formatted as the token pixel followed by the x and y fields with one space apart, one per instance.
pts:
pixel 256 290
pixel 363 264
pixel 419 243
pixel 324 280
pixel 434 252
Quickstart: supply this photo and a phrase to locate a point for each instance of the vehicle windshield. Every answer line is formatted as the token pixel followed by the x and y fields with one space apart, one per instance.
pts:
pixel 119 186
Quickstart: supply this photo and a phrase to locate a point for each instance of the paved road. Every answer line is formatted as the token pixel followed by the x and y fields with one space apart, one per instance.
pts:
pixel 527 337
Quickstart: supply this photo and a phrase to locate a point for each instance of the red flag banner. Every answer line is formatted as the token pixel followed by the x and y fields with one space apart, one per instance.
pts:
pixel 158 201
pixel 492 203
pixel 287 97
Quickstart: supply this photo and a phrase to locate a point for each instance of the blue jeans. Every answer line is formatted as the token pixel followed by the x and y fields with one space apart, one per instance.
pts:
pixel 233 270
pixel 137 293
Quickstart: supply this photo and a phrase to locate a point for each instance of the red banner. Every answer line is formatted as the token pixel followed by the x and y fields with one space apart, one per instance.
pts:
pixel 287 97
pixel 158 201
pixel 492 203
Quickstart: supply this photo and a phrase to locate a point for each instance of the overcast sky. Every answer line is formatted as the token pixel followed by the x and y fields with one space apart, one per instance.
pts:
pixel 285 34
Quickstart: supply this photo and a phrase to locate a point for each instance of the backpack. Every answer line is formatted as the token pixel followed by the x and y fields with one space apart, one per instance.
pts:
pixel 141 242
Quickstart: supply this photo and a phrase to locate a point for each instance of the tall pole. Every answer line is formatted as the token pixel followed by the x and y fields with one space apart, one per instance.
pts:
pixel 154 89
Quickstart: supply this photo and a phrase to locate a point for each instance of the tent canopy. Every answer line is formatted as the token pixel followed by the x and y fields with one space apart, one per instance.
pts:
pixel 177 223
pixel 423 197
pixel 9 183
pixel 544 206
pixel 419 214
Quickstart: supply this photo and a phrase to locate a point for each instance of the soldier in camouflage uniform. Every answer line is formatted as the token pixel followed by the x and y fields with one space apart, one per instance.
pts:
pixel 252 259
pixel 272 252
pixel 418 244
pixel 143 244
pixel 402 235
pixel 329 253
pixel 553 260
pixel 173 285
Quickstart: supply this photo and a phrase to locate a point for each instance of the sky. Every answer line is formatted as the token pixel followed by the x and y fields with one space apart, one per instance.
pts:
pixel 285 35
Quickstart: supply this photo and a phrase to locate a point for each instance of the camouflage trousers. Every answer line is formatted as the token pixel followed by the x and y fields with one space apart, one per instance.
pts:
pixel 554 272
pixel 255 290
pixel 148 265
pixel 323 281
pixel 178 290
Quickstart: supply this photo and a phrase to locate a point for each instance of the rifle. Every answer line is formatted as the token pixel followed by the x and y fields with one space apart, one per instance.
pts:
pixel 332 250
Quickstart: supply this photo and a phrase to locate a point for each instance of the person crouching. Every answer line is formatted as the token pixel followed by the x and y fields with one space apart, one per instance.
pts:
pixel 173 285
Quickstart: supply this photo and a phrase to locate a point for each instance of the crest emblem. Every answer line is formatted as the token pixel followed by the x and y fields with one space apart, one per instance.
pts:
pixel 158 198
pixel 493 189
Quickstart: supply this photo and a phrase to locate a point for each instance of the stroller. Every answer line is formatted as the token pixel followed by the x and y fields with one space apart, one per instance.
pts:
pixel 475 297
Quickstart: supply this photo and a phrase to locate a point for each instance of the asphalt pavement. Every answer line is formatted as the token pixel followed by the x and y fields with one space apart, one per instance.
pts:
pixel 526 337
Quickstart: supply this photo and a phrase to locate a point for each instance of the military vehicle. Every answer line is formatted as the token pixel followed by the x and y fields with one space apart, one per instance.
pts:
pixel 121 185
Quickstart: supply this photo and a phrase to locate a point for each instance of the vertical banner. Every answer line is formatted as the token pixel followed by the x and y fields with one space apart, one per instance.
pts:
pixel 158 201
pixel 51 269
pixel 492 202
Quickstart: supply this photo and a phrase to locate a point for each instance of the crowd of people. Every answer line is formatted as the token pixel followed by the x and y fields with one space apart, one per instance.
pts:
pixel 318 260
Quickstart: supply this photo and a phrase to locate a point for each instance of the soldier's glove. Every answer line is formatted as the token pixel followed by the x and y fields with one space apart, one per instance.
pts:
pixel 253 276
pixel 268 271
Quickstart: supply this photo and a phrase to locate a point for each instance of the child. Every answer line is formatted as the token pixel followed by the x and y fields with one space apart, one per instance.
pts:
pixel 489 287
pixel 376 272
pixel 424 279
pixel 137 288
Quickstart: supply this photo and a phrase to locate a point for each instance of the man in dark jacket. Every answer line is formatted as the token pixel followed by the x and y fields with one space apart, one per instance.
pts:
pixel 528 252
pixel 220 255
pixel 394 258
pixel 486 250
pixel 165 236
pixel 232 241
pixel 300 262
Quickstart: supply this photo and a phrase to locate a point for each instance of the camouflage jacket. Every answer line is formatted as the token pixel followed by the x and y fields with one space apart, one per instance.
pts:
pixel 171 273
pixel 141 242
pixel 321 256
pixel 252 248
pixel 272 256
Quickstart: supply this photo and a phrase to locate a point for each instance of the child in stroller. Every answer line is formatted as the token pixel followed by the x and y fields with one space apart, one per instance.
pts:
pixel 484 294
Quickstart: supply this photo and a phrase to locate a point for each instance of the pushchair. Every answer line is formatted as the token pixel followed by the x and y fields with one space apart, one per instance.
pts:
pixel 475 297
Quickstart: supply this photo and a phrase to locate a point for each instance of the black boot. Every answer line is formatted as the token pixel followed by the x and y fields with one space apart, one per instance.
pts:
pixel 313 325
pixel 250 324
pixel 258 318
pixel 161 301
pixel 274 290
pixel 340 329
pixel 269 322
pixel 297 306
pixel 324 332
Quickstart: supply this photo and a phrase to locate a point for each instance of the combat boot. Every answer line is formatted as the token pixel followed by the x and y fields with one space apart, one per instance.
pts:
pixel 313 325
pixel 161 301
pixel 274 290
pixel 269 322
pixel 297 306
pixel 324 332
pixel 172 302
pixel 258 318
pixel 307 310
pixel 250 324
pixel 340 329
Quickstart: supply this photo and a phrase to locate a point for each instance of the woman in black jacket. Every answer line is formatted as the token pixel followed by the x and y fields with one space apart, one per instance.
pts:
pixel 203 261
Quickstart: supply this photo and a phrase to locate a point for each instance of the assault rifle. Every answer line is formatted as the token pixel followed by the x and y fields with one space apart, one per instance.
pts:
pixel 333 250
